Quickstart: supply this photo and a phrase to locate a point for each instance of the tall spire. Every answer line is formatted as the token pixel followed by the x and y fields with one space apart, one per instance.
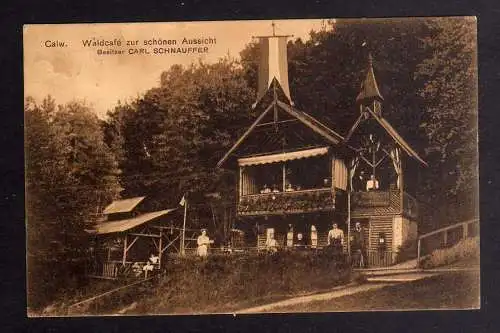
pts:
pixel 273 64
pixel 369 89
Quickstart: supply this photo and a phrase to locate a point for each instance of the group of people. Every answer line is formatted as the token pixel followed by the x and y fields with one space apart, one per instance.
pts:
pixel 289 187
pixel 335 241
pixel 149 266
pixel 275 189
pixel 371 184
pixel 336 238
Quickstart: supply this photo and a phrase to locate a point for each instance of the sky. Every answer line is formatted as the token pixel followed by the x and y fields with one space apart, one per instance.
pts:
pixel 71 71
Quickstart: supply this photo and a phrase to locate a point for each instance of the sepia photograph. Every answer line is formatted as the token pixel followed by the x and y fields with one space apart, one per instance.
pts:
pixel 247 167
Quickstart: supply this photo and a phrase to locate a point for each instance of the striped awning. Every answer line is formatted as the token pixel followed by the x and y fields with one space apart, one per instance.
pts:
pixel 281 157
pixel 126 224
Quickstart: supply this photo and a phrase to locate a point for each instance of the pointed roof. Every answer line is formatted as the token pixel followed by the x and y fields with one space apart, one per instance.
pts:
pixel 126 224
pixel 328 134
pixel 122 206
pixel 369 88
pixel 391 131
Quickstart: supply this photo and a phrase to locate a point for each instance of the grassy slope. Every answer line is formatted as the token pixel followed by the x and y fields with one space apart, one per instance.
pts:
pixel 457 290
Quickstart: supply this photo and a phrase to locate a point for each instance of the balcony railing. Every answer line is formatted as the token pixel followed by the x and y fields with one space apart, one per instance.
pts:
pixel 287 202
pixel 371 199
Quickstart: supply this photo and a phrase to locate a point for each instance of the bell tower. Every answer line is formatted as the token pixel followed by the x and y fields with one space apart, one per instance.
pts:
pixel 369 95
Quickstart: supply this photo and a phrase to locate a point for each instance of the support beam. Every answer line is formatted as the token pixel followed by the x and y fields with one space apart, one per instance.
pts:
pixel 132 243
pixel 278 122
pixel 182 245
pixel 124 259
pixel 418 251
pixel 284 177
pixel 144 235
pixel 160 252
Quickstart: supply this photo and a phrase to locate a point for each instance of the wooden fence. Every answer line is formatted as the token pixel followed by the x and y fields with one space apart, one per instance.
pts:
pixel 446 237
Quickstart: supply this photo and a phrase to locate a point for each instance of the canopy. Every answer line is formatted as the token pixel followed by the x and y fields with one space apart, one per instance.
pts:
pixel 283 156
pixel 123 206
pixel 124 225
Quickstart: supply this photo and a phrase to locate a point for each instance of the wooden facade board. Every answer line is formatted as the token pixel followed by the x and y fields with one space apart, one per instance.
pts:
pixel 380 224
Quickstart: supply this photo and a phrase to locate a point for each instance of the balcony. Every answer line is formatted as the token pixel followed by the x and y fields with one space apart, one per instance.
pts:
pixel 371 199
pixel 376 202
pixel 294 202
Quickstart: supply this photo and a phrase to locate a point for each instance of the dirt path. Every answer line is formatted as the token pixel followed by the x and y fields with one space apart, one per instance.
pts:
pixel 336 292
pixel 397 275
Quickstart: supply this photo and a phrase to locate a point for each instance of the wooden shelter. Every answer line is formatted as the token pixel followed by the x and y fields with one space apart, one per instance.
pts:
pixel 130 235
pixel 296 175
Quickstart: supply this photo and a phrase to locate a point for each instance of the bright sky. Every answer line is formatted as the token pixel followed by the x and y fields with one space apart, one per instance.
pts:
pixel 73 71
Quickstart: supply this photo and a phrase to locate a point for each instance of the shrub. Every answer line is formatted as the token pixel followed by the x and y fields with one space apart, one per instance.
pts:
pixel 407 251
pixel 464 249
pixel 222 281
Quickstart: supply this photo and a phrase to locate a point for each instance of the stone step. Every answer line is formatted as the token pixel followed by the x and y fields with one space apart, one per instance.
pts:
pixel 389 272
pixel 398 278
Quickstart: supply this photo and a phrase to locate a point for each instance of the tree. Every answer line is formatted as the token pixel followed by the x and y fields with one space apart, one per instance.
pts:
pixel 449 90
pixel 176 133
pixel 69 173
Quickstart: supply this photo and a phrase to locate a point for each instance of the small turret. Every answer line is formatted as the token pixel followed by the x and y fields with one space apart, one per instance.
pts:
pixel 369 95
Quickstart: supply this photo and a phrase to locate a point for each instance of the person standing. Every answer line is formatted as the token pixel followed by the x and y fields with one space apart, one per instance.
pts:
pixel 358 246
pixel 271 244
pixel 336 238
pixel 314 237
pixel 203 242
pixel 372 184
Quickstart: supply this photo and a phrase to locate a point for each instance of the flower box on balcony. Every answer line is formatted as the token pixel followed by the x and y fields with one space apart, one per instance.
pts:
pixel 287 202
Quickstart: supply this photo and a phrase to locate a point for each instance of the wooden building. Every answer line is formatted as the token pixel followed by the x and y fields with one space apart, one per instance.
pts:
pixel 130 235
pixel 297 175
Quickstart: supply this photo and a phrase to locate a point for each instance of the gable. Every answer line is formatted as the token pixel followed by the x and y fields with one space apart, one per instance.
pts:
pixel 380 125
pixel 292 129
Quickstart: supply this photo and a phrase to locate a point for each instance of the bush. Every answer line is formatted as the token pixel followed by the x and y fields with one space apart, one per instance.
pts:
pixel 464 249
pixel 223 281
pixel 407 251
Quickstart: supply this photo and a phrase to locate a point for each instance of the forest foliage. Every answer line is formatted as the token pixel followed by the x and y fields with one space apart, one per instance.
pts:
pixel 167 142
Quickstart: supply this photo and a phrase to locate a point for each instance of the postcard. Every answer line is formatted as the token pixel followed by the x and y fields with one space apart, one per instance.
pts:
pixel 267 166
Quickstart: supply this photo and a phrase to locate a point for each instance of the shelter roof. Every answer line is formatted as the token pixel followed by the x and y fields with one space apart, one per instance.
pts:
pixel 126 224
pixel 123 206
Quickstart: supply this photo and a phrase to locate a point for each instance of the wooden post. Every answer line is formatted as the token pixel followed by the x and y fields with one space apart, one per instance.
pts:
pixel 418 250
pixel 445 237
pixel 349 190
pixel 240 183
pixel 183 236
pixel 124 259
pixel 160 247
pixel 465 230
pixel 284 175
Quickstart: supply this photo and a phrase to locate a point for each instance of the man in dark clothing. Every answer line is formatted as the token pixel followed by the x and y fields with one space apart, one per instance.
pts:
pixel 358 246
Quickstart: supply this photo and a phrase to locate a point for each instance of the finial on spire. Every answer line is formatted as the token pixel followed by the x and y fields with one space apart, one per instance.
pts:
pixel 369 88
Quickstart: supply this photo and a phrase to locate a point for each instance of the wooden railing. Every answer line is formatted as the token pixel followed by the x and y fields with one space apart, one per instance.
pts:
pixel 286 202
pixel 113 269
pixel 442 235
pixel 371 199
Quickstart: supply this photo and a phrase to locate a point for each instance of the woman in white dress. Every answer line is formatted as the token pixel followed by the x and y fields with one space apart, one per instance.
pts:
pixel 203 242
